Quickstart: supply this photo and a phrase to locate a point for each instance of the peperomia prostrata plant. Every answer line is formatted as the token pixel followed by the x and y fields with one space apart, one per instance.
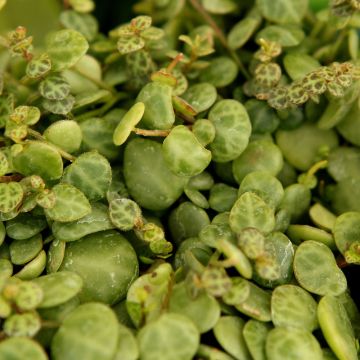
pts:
pixel 184 187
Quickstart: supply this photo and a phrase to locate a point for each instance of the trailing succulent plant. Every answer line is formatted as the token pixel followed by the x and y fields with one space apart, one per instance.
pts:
pixel 185 187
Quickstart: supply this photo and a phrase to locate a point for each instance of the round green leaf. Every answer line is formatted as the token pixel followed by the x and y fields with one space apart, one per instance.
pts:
pixel 259 155
pixel 298 65
pixel 292 306
pixel 86 24
pixel 182 338
pixel 23 324
pixel 71 204
pixel 265 185
pixel 127 348
pixel 301 146
pixel 65 48
pixel 66 134
pixel 241 32
pixel 233 130
pixel 344 162
pixel 336 327
pixel 24 251
pixel 148 179
pixel 38 66
pixel 25 226
pixel 97 134
pixel 278 256
pixel 221 72
pixel 283 11
pixel 316 270
pixel 11 195
pixel 176 148
pixel 129 43
pixel 125 214
pixel 251 211
pixel 107 264
pixel 159 113
pixel 229 333
pixel 54 87
pixel 285 35
pixel 58 287
pixel 203 310
pixel 91 173
pixel 89 332
pixel 292 344
pixel 97 220
pixel 200 96
pixel 347 231
pixel 59 107
pixel 19 348
pixel 255 333
pixel 186 221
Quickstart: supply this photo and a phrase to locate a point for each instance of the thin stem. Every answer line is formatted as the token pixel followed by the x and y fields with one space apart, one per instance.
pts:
pixel 50 324
pixel 220 35
pixel 317 166
pixel 341 262
pixel 10 178
pixel 174 62
pixel 63 153
pixel 145 132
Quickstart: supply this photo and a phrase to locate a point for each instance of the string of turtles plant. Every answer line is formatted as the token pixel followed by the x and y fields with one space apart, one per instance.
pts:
pixel 184 187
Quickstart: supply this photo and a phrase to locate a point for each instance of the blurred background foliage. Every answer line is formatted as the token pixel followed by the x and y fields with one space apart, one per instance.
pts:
pixel 41 16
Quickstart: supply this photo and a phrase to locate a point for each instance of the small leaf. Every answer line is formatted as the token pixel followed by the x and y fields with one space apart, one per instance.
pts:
pixel 66 134
pixel 285 35
pixel 141 22
pixel 242 31
pixel 38 66
pixel 125 214
pixel 46 199
pixel 65 48
pixel 85 24
pixel 251 211
pixel 97 332
pixel 38 158
pixel 283 11
pixel 153 33
pixel 59 107
pixel 176 149
pixel 91 173
pixel 54 87
pixel 128 44
pixel 28 115
pixel 128 122
pixel 11 195
pixel 25 324
pixel 19 348
pixel 58 287
pixel 71 204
